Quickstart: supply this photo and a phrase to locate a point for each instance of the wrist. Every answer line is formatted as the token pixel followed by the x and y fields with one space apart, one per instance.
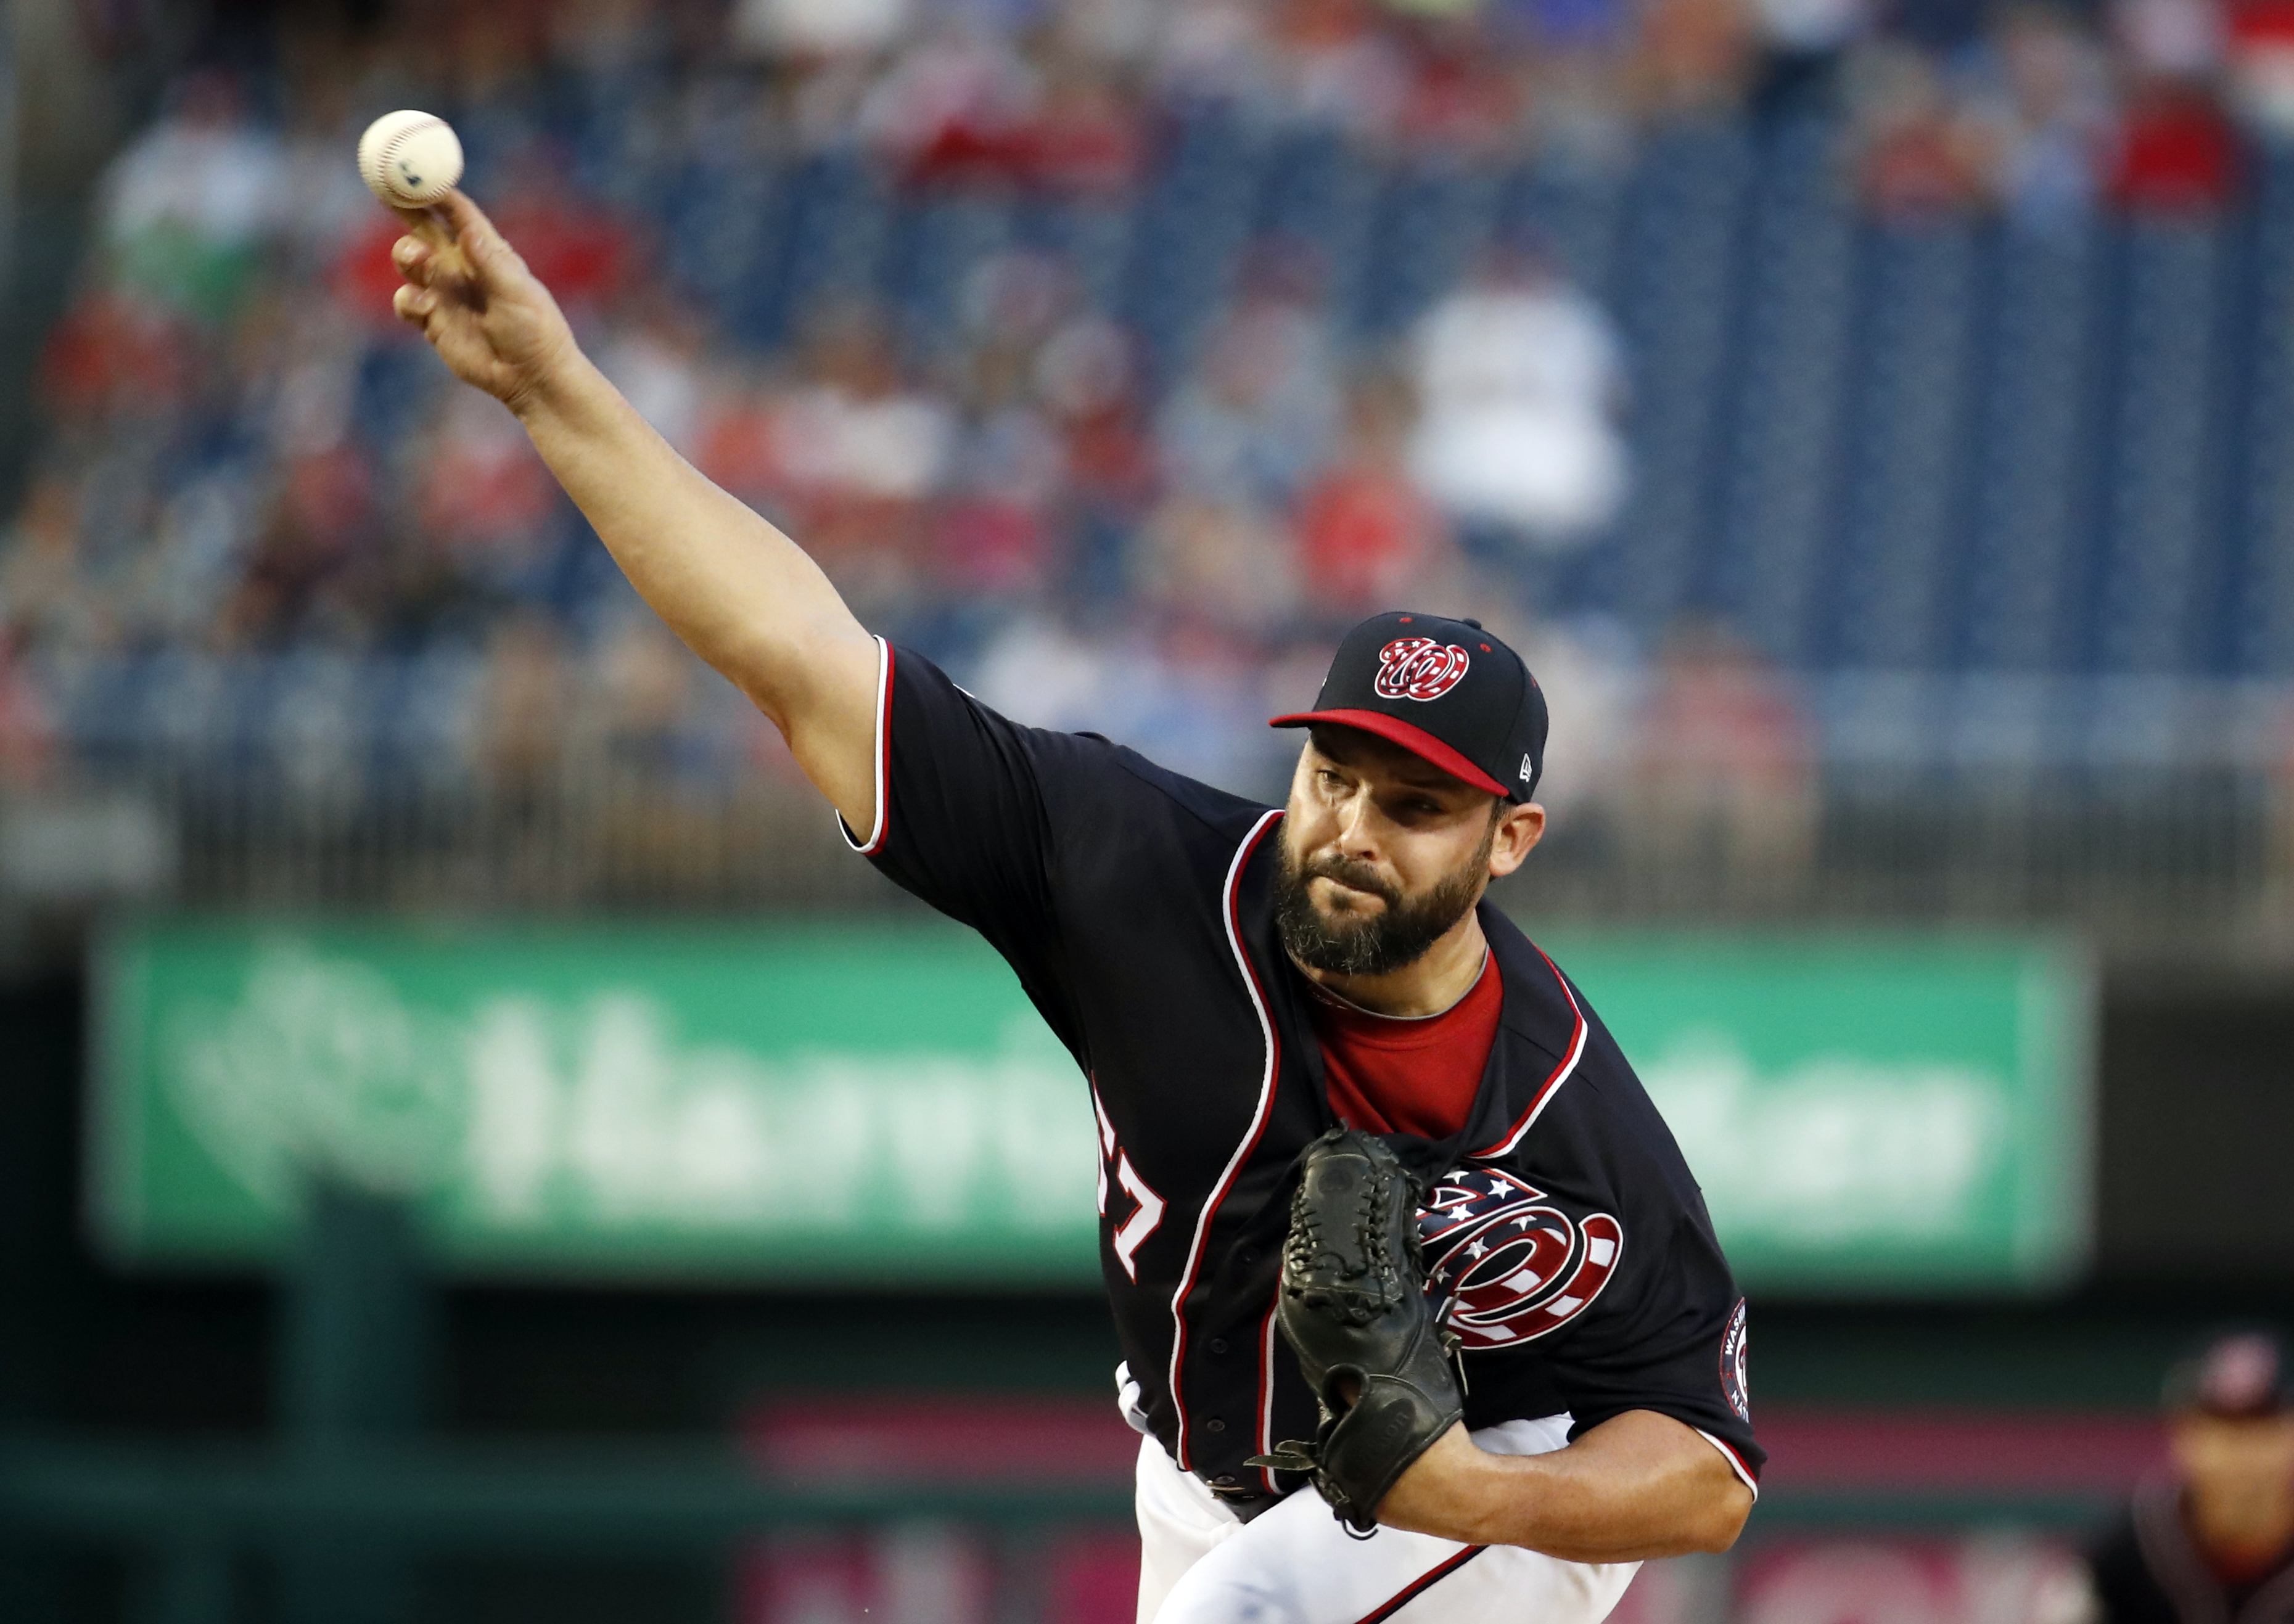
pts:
pixel 1491 1492
pixel 1459 1490
pixel 561 384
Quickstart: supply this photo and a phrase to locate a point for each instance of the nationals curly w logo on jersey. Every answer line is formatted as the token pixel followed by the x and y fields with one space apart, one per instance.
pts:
pixel 1418 668
pixel 1512 1266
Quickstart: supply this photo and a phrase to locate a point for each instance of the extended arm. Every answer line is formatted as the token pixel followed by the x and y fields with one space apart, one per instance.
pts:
pixel 741 594
pixel 1638 1485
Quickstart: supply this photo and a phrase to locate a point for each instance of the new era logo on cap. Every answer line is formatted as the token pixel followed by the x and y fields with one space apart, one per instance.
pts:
pixel 1445 690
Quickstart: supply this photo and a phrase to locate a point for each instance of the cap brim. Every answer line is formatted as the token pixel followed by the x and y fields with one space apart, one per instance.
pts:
pixel 1394 730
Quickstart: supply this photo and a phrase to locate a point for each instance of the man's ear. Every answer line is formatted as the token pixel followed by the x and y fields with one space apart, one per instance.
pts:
pixel 1519 830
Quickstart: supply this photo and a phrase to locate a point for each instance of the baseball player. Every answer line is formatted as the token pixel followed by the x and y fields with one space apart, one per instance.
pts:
pixel 1386 1213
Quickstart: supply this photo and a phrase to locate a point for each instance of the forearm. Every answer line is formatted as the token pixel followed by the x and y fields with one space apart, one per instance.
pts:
pixel 742 596
pixel 1637 1487
pixel 738 592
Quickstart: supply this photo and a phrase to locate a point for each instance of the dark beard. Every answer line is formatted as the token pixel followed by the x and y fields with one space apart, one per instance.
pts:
pixel 1370 945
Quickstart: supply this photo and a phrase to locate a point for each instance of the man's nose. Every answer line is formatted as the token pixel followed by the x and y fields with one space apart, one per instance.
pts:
pixel 1357 828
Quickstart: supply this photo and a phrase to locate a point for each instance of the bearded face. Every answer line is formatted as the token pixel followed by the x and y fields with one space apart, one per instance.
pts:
pixel 1365 925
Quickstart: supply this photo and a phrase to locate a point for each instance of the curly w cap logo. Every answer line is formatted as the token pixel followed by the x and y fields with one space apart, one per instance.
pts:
pixel 1509 1267
pixel 1418 668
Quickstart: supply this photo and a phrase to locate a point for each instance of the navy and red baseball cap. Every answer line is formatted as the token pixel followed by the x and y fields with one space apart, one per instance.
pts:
pixel 1446 691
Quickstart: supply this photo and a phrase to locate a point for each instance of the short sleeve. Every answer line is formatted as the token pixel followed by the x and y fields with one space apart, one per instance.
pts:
pixel 964 816
pixel 960 817
pixel 1678 1347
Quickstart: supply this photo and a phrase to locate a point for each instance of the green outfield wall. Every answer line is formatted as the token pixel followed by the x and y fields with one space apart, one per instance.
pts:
pixel 791 1103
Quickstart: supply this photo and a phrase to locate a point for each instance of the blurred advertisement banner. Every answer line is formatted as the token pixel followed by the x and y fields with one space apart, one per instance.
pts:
pixel 1866 1112
pixel 840 1103
pixel 792 1101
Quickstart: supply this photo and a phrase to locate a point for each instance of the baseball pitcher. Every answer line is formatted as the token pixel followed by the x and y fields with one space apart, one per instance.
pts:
pixel 1423 1314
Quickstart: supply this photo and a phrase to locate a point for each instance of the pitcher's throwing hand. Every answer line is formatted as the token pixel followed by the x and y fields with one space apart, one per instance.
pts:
pixel 488 317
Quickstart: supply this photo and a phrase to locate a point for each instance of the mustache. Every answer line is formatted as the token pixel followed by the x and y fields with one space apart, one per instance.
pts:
pixel 1348 872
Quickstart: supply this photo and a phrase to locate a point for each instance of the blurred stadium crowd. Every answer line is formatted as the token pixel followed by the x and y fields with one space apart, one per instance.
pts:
pixel 1115 352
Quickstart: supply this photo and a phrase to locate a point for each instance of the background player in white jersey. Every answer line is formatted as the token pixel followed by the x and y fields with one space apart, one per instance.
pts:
pixel 1235 981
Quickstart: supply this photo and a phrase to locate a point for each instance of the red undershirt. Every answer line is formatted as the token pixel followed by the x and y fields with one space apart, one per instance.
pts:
pixel 1408 1075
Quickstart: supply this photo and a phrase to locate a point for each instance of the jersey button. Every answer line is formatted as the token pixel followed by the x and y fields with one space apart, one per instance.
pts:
pixel 1215 1426
pixel 1218 1344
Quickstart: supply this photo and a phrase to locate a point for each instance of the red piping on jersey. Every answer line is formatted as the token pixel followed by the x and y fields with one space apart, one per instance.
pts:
pixel 1735 1462
pixel 1560 1074
pixel 1418 1586
pixel 1242 1151
pixel 884 754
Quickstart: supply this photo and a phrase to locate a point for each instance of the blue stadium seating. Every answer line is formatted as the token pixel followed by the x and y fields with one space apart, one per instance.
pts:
pixel 1672 283
pixel 2258 604
pixel 1902 476
pixel 2031 439
pixel 1782 439
pixel 2160 449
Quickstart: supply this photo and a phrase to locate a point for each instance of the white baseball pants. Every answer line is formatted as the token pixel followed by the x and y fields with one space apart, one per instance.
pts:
pixel 1294 1564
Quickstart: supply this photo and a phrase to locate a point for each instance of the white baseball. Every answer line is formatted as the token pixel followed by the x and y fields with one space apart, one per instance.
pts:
pixel 410 158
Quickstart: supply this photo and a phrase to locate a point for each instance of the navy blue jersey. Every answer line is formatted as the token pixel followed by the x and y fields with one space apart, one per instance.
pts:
pixel 1564 1235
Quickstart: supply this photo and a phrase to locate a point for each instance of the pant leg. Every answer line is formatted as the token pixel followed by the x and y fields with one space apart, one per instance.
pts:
pixel 1180 1522
pixel 1295 1563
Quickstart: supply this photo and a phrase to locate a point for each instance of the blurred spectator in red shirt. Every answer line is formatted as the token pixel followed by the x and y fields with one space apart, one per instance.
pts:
pixel 1367 538
pixel 1460 95
pixel 1916 159
pixel 112 353
pixel 578 248
pixel 1085 374
pixel 1083 137
pixel 2175 153
pixel 955 109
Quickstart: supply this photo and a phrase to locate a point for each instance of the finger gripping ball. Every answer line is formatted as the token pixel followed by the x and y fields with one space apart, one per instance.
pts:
pixel 410 158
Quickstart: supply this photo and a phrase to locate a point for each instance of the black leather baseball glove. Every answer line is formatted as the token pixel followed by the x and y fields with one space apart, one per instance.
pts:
pixel 1353 1304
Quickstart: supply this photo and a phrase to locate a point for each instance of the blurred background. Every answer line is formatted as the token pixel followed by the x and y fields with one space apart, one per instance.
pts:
pixel 448 1094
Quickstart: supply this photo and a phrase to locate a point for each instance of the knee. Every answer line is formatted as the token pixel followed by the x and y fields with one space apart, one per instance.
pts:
pixel 1215 1598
